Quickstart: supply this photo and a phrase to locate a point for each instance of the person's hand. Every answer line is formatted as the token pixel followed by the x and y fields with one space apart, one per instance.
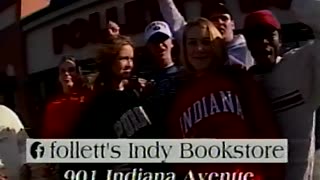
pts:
pixel 113 29
pixel 142 85
pixel 3 176
pixel 148 88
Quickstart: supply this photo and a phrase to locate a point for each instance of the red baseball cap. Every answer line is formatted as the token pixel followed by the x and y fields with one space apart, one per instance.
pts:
pixel 263 18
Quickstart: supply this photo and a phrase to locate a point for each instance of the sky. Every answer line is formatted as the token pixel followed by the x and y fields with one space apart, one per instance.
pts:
pixel 30 6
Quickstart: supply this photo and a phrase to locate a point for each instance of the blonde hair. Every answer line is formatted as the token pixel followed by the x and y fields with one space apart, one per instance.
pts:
pixel 217 42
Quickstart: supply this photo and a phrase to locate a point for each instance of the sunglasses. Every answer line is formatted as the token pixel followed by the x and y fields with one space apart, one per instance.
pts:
pixel 114 29
pixel 69 70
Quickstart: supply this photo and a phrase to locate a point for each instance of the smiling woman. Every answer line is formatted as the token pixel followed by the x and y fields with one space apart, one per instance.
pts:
pixel 215 100
pixel 202 47
pixel 65 108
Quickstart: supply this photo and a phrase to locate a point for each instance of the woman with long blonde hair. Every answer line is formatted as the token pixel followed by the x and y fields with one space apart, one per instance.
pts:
pixel 218 101
pixel 212 53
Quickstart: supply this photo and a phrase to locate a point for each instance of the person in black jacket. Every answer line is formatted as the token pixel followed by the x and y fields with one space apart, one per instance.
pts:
pixel 118 91
pixel 117 110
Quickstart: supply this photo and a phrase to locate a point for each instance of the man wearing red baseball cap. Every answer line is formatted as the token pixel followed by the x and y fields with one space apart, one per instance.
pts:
pixel 293 84
pixel 262 32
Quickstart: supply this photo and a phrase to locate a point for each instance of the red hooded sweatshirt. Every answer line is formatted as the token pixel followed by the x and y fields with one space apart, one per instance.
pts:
pixel 224 107
pixel 62 114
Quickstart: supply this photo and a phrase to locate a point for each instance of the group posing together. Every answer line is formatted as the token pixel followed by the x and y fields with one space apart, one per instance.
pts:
pixel 224 86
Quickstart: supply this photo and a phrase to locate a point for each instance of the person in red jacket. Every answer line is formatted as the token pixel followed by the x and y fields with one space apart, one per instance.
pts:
pixel 63 111
pixel 215 100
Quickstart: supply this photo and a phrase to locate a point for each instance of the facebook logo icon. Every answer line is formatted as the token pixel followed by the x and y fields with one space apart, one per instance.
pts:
pixel 37 150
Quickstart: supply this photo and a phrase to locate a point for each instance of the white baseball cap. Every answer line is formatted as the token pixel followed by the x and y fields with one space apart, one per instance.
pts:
pixel 157 27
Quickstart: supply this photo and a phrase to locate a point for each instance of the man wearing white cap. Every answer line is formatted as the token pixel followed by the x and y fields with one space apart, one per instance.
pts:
pixel 158 38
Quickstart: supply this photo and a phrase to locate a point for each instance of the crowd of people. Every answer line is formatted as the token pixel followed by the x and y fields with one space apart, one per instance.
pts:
pixel 224 86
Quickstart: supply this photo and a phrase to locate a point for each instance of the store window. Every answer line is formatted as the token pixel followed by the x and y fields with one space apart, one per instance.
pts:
pixel 7 90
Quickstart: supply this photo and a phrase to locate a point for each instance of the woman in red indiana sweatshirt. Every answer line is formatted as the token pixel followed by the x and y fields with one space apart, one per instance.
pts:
pixel 63 111
pixel 218 101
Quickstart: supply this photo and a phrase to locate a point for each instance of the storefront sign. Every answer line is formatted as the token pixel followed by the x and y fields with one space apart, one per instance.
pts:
pixel 77 34
pixel 82 31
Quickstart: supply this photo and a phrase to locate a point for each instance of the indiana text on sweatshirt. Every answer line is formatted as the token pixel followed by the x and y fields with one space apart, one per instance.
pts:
pixel 209 105
pixel 220 106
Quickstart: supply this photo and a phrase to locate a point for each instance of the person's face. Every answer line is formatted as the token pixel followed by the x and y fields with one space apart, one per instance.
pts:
pixel 160 47
pixel 224 24
pixel 123 65
pixel 264 45
pixel 199 48
pixel 67 73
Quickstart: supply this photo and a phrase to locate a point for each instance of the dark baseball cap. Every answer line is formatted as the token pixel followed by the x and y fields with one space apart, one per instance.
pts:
pixel 215 8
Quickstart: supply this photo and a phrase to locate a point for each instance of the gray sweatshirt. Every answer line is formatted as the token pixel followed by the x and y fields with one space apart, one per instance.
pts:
pixel 294 87
pixel 237 49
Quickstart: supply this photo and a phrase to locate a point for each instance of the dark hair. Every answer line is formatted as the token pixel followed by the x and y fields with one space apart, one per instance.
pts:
pixel 215 8
pixel 251 32
pixel 72 59
pixel 80 81
pixel 107 55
